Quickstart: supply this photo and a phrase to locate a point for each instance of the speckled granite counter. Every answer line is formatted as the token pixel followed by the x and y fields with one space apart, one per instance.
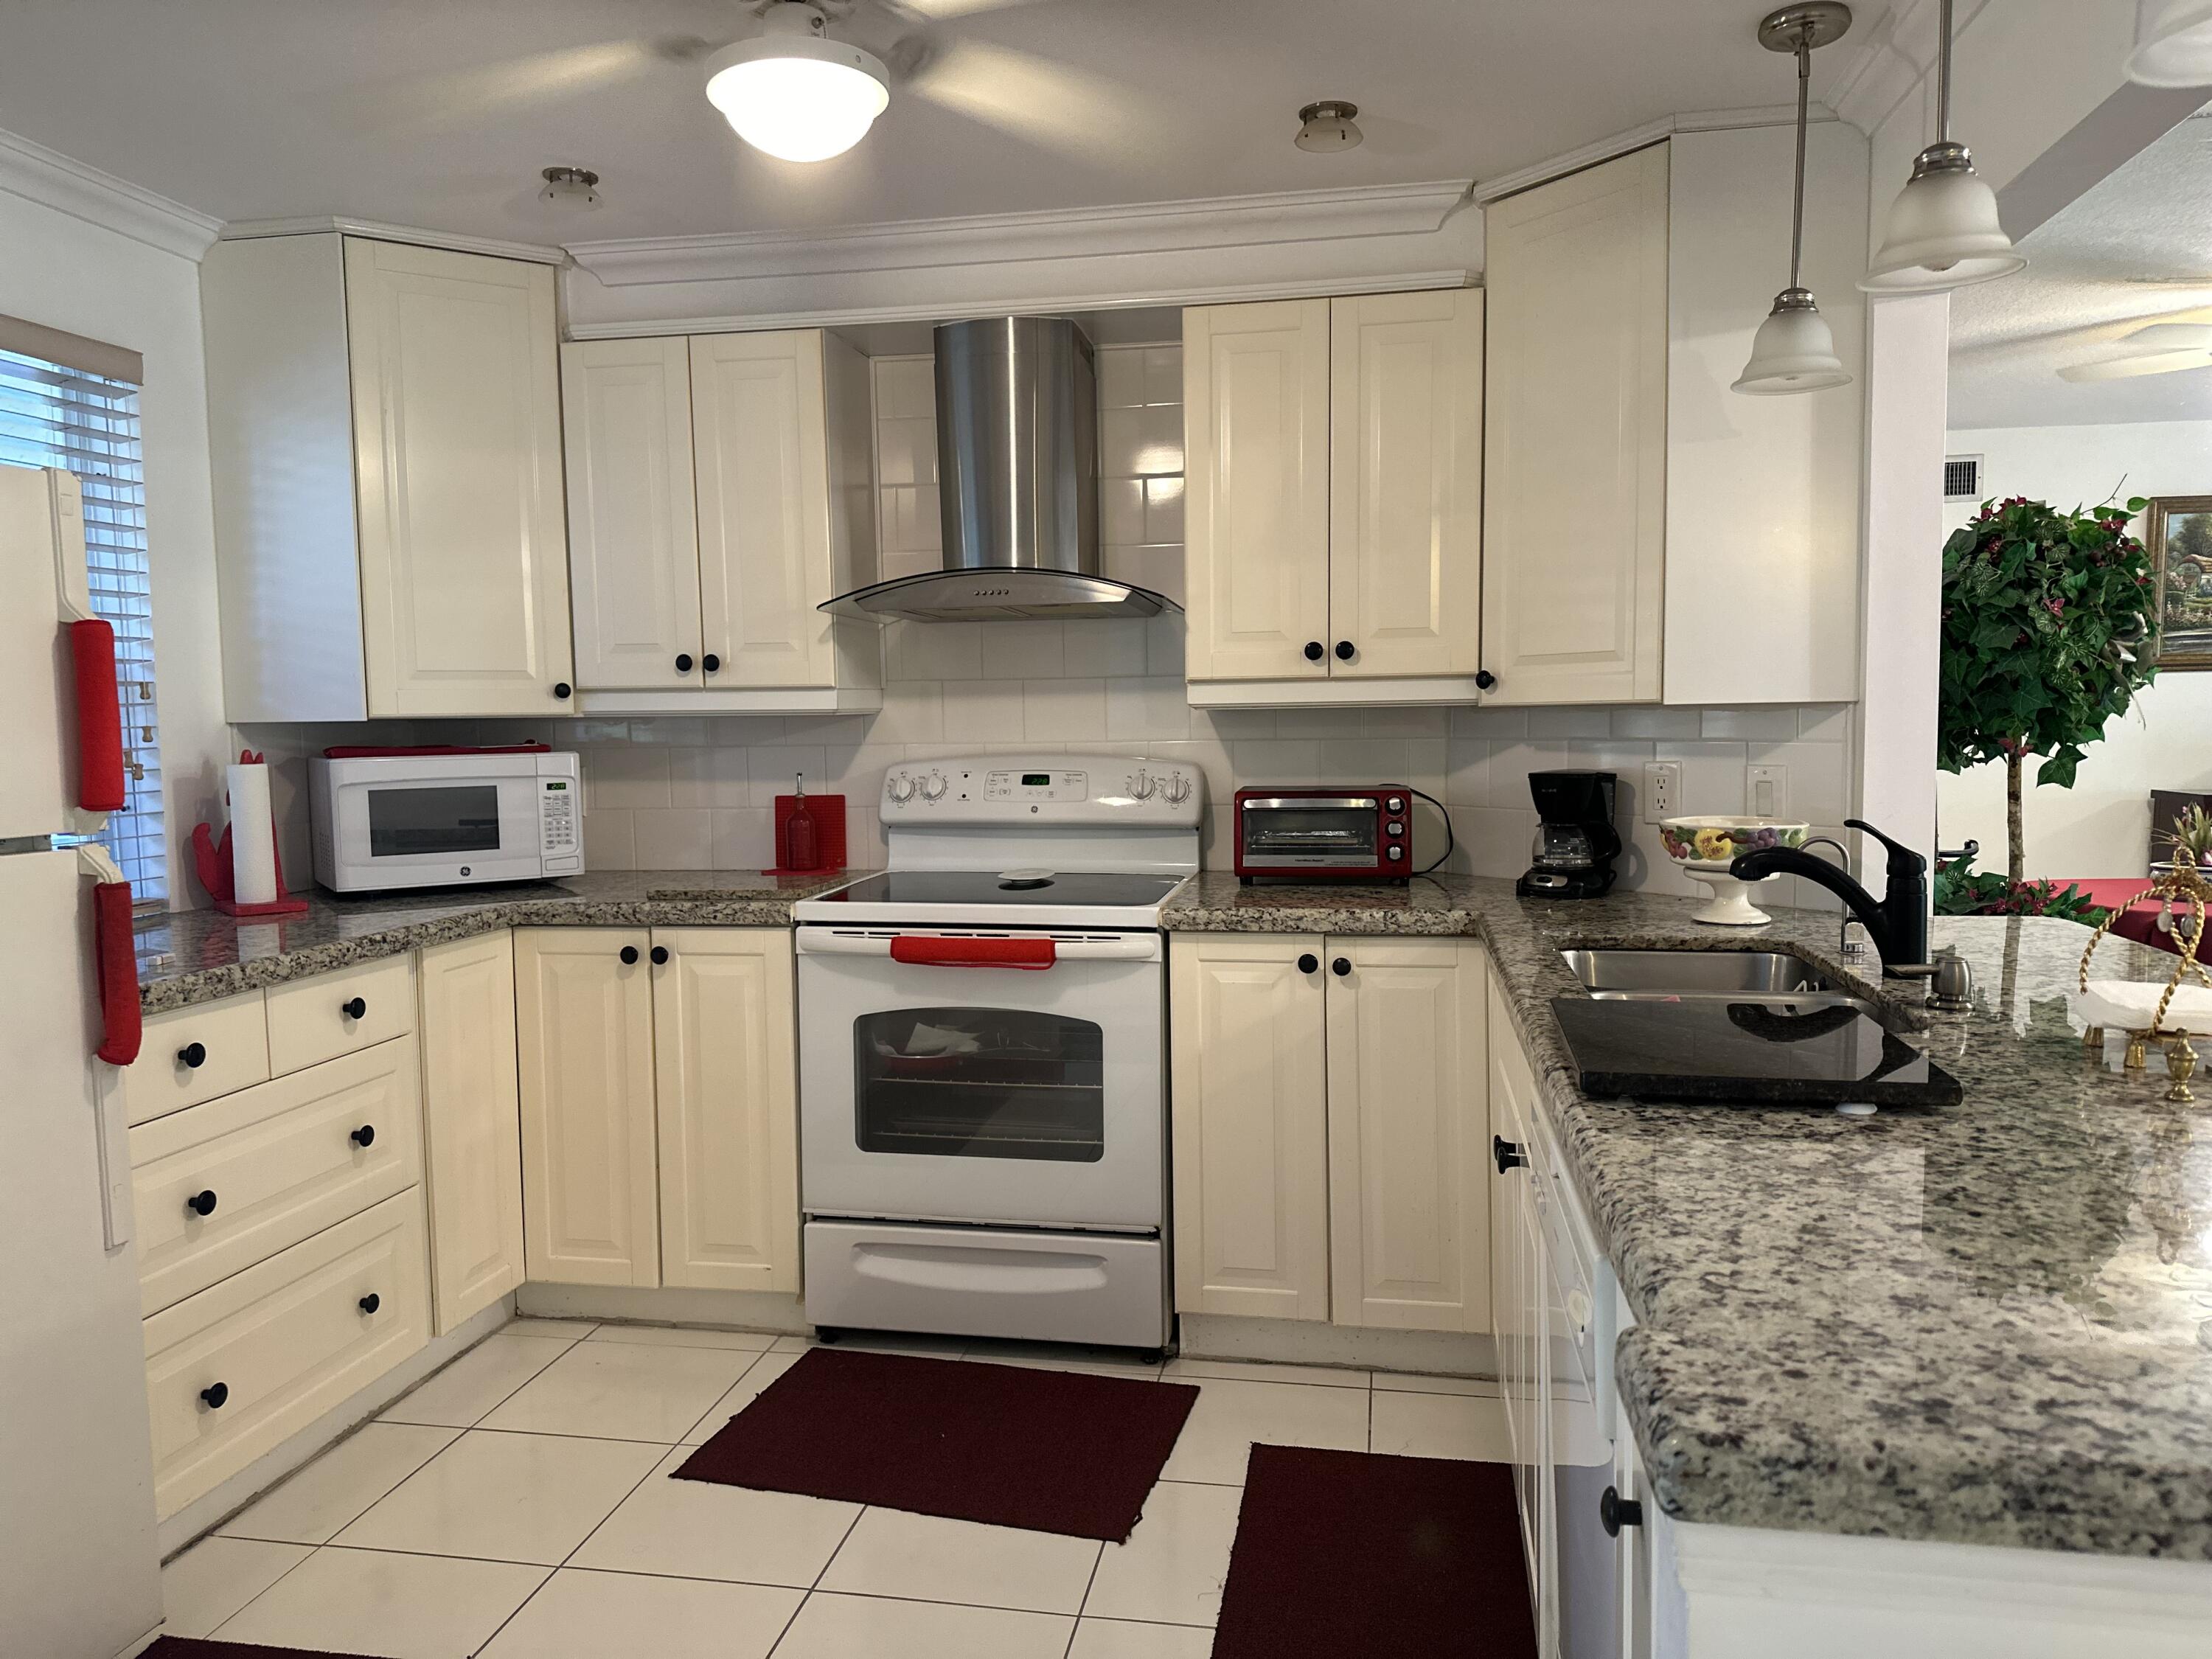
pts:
pixel 196 955
pixel 1991 1324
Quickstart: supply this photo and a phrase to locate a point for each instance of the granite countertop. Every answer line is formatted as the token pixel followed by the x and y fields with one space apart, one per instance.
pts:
pixel 196 956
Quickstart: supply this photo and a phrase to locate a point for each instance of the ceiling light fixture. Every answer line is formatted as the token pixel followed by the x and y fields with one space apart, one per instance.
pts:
pixel 794 92
pixel 1944 231
pixel 570 188
pixel 2159 348
pixel 1328 126
pixel 1794 350
pixel 2177 50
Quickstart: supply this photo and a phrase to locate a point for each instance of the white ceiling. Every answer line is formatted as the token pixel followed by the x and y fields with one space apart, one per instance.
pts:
pixel 440 113
pixel 2135 248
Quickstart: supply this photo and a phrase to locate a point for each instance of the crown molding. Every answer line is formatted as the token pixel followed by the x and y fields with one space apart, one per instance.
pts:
pixel 1000 239
pixel 52 179
pixel 1643 137
pixel 239 230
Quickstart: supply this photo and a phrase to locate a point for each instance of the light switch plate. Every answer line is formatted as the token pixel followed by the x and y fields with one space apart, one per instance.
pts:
pixel 1766 791
pixel 1662 790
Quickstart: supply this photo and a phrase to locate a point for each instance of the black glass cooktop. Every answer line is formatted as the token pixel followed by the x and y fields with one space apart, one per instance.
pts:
pixel 1770 1053
pixel 963 887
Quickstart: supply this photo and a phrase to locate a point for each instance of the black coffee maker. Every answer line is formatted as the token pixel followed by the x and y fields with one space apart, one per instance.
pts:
pixel 1576 843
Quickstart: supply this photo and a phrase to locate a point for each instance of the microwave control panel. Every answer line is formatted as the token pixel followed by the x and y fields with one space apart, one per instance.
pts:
pixel 560 826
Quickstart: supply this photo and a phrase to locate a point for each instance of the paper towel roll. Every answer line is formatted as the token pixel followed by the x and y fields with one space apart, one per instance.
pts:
pixel 252 836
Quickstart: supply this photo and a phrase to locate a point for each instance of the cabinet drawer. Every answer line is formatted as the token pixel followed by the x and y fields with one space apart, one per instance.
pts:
pixel 282 1162
pixel 313 1020
pixel 280 1343
pixel 196 1053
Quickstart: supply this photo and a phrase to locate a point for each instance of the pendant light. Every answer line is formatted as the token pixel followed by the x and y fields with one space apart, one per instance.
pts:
pixel 1944 232
pixel 2177 50
pixel 794 92
pixel 1794 350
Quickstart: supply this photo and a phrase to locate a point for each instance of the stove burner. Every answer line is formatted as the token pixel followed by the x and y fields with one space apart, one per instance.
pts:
pixel 1022 881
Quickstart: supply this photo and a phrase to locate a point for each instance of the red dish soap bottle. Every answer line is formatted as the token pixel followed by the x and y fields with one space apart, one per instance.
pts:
pixel 802 846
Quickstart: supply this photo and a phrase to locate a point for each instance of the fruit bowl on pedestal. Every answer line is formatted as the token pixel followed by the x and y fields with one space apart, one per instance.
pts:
pixel 1702 848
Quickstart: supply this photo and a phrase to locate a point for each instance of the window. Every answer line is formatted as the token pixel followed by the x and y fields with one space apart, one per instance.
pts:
pixel 53 415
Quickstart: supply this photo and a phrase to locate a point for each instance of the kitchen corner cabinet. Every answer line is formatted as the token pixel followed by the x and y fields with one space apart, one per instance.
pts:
pixel 720 489
pixel 658 1071
pixel 385 434
pixel 1575 516
pixel 1334 478
pixel 1330 1129
pixel 472 1147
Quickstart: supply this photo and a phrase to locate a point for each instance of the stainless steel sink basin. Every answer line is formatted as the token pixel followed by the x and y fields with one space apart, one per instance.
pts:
pixel 1623 975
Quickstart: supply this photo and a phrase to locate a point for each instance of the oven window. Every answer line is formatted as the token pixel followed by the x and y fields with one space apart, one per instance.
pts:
pixel 1334 829
pixel 442 818
pixel 979 1083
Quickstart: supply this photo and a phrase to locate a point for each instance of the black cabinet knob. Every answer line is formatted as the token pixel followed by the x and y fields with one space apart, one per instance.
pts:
pixel 683 662
pixel 628 955
pixel 1485 679
pixel 1315 652
pixel 202 1203
pixel 710 662
pixel 1309 963
pixel 355 1008
pixel 659 956
pixel 364 1135
pixel 192 1055
pixel 561 690
pixel 216 1395
pixel 1508 1154
pixel 1614 1512
pixel 1344 650
pixel 1340 966
pixel 371 1303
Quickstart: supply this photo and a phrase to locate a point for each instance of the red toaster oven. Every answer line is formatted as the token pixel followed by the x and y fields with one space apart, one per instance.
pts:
pixel 1325 832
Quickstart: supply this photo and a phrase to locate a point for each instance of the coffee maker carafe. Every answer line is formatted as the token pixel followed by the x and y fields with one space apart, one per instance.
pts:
pixel 1576 843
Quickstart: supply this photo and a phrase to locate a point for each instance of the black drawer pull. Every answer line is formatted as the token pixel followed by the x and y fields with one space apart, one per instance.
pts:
pixel 371 1303
pixel 202 1203
pixel 216 1395
pixel 1309 963
pixel 1344 650
pixel 710 662
pixel 1508 1154
pixel 683 662
pixel 364 1136
pixel 1315 651
pixel 1614 1512
pixel 1340 966
pixel 628 955
pixel 355 1009
pixel 1485 679
pixel 192 1056
pixel 660 955
pixel 561 690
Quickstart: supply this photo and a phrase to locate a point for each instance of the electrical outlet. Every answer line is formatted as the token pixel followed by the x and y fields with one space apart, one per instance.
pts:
pixel 1662 788
pixel 1767 789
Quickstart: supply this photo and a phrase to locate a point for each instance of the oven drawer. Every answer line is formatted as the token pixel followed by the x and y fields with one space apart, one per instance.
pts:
pixel 977 1281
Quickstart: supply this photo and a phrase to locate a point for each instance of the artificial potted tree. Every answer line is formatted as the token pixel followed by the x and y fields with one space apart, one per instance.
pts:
pixel 2043 612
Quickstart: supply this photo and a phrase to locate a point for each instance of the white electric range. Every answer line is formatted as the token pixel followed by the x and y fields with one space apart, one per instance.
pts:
pixel 983 1054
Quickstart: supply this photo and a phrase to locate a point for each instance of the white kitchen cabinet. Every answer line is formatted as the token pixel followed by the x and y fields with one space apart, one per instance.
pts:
pixel 385 438
pixel 471 1124
pixel 1518 1278
pixel 725 1072
pixel 1409 1190
pixel 1250 1125
pixel 633 526
pixel 1575 513
pixel 584 1046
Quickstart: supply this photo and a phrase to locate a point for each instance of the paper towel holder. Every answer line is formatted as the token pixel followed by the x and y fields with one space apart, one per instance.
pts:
pixel 211 862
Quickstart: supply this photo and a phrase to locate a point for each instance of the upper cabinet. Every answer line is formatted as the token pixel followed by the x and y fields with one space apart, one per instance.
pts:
pixel 1575 520
pixel 384 429
pixel 1335 455
pixel 719 489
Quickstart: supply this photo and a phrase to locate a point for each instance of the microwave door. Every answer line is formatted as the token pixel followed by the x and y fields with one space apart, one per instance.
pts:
pixel 423 831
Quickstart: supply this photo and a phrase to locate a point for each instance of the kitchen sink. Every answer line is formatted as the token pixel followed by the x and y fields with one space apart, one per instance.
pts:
pixel 1635 975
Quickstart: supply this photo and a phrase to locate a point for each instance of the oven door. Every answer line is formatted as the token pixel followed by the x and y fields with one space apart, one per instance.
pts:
pixel 1308 832
pixel 400 823
pixel 984 1075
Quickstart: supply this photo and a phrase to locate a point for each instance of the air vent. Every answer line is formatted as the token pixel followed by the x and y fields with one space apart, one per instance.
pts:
pixel 1962 477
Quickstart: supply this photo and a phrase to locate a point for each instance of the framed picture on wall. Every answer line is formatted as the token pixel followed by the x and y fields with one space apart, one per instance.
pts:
pixel 2178 532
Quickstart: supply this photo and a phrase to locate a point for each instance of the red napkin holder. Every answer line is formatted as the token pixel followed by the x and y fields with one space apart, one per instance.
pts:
pixel 828 812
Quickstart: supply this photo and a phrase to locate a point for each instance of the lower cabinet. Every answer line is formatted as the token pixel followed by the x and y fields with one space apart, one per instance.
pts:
pixel 471 1132
pixel 1330 1129
pixel 658 1122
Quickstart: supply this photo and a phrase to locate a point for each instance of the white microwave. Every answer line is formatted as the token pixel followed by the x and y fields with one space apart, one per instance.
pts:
pixel 428 820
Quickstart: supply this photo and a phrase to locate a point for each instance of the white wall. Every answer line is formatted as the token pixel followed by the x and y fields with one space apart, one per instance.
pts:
pixel 63 271
pixel 2100 827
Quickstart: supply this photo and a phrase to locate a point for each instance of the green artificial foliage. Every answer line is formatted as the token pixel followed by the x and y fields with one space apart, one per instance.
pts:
pixel 1961 890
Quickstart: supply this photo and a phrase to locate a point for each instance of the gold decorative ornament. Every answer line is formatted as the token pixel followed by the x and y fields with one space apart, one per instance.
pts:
pixel 2181 885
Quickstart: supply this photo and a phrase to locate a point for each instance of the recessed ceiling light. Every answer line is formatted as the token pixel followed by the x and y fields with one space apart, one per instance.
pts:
pixel 1328 126
pixel 571 189
pixel 794 92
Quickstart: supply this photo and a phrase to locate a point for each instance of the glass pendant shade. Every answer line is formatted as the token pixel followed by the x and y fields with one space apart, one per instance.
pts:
pixel 1944 232
pixel 1793 351
pixel 794 94
pixel 2176 51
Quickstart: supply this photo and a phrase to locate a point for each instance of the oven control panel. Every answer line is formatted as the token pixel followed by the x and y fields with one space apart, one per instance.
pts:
pixel 1054 789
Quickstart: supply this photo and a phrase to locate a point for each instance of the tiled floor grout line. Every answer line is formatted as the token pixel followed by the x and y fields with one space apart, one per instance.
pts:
pixel 812 1587
pixel 1096 1562
pixel 313 1550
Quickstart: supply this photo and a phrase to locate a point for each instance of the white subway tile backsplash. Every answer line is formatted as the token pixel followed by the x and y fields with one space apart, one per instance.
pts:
pixel 1026 651
pixel 1712 776
pixel 626 775
pixel 744 838
pixel 1336 724
pixel 1063 711
pixel 1656 723
pixel 1121 379
pixel 709 777
pixel 1164 645
pixel 1775 724
pixel 777 772
pixel 982 711
pixel 1105 650
pixel 1825 723
pixel 1490 722
pixel 1511 763
pixel 1162 373
pixel 610 840
pixel 936 651
pixel 1163 510
pixel 1467 771
pixel 1147 709
pixel 1569 722
pixel 1121 512
pixel 906 387
pixel 675 839
pixel 1159 568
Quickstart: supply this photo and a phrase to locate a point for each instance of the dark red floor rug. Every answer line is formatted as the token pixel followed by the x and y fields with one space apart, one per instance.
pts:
pixel 193 1647
pixel 1343 1552
pixel 1053 1451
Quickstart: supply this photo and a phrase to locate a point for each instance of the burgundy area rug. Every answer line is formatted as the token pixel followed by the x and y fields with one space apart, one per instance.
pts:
pixel 1067 1452
pixel 193 1647
pixel 1345 1552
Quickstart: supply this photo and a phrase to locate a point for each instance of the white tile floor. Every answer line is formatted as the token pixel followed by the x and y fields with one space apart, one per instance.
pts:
pixel 516 1505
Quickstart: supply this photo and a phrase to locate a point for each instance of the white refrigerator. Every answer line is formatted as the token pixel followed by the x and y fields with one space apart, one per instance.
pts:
pixel 79 1566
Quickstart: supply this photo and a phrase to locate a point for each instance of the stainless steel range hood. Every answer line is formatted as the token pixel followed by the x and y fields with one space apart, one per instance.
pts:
pixel 1018 486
